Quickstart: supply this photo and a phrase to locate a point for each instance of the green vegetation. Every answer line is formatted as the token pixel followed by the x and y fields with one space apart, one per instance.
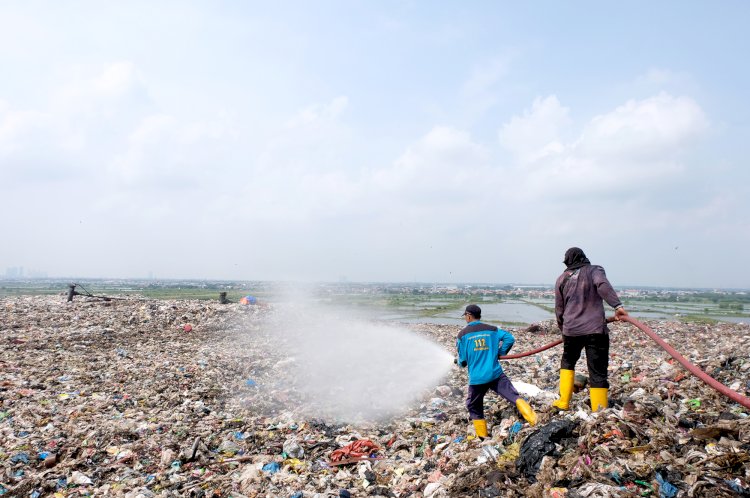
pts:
pixel 402 301
pixel 550 309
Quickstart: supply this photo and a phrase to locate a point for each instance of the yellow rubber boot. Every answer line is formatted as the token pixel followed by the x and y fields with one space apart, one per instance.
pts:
pixel 598 398
pixel 566 389
pixel 528 413
pixel 480 427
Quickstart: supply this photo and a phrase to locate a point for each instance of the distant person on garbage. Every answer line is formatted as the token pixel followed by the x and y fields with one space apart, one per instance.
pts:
pixel 580 293
pixel 479 345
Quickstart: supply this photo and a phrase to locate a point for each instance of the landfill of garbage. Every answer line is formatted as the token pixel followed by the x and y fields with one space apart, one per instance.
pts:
pixel 143 398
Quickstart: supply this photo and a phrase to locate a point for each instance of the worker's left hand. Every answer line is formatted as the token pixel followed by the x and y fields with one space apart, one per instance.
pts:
pixel 620 313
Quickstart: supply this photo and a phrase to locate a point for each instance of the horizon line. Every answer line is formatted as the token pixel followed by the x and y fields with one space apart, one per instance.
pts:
pixel 71 280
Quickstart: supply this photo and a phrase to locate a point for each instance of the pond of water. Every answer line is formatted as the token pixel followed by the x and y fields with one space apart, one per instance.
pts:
pixel 519 312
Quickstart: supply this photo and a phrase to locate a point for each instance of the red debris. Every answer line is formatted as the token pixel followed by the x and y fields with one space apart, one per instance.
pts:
pixel 361 449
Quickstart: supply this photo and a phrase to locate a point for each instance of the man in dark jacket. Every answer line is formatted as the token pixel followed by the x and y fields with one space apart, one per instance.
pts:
pixel 579 295
pixel 479 345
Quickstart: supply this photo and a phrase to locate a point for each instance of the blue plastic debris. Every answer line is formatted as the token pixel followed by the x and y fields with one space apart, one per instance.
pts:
pixel 517 426
pixel 666 489
pixel 271 468
pixel 250 383
pixel 737 487
pixel 298 494
pixel 20 458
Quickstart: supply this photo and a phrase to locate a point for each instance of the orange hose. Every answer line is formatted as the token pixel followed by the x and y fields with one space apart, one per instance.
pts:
pixel 733 395
pixel 529 353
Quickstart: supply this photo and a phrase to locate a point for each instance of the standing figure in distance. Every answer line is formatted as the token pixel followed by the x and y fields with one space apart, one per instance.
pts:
pixel 479 345
pixel 579 295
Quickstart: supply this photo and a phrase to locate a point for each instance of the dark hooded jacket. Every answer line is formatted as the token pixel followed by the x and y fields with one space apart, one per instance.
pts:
pixel 579 295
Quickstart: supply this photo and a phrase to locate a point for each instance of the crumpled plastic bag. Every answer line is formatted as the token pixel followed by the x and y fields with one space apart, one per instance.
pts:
pixel 541 443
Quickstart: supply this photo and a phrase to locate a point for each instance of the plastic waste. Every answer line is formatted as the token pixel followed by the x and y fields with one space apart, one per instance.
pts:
pixel 527 389
pixel 248 300
pixel 694 403
pixel 489 454
pixel 66 392
pixel 271 468
pixel 293 449
pixel 542 443
pixel 20 458
pixel 666 489
pixel 515 428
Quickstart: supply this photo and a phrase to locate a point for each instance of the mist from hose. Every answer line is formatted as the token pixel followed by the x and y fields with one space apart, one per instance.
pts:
pixel 348 369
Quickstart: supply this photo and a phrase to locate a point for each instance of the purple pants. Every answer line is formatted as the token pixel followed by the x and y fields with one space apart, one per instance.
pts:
pixel 475 399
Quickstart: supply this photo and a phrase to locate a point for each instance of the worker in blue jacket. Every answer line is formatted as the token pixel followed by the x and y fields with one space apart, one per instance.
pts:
pixel 479 345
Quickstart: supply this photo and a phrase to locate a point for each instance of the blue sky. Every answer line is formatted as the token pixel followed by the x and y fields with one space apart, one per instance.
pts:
pixel 376 141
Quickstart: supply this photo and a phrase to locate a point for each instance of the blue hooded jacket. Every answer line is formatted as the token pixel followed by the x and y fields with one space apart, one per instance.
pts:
pixel 479 345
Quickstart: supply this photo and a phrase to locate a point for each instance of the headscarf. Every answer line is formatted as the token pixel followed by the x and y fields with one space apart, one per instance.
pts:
pixel 575 258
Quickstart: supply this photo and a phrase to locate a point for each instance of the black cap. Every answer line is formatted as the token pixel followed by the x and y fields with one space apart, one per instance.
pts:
pixel 475 310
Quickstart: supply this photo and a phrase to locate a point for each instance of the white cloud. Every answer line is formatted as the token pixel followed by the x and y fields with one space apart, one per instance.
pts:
pixel 536 133
pixel 153 129
pixel 116 91
pixel 167 153
pixel 640 142
pixel 36 147
pixel 117 80
pixel 657 127
pixel 314 139
pixel 76 130
pixel 304 171
pixel 658 79
pixel 317 113
pixel 22 129
pixel 443 159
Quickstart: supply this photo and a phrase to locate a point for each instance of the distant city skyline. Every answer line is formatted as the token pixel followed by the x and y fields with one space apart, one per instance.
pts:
pixel 384 141
pixel 20 272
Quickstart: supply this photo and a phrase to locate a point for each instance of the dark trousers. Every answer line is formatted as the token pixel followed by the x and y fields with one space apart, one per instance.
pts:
pixel 475 398
pixel 597 356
